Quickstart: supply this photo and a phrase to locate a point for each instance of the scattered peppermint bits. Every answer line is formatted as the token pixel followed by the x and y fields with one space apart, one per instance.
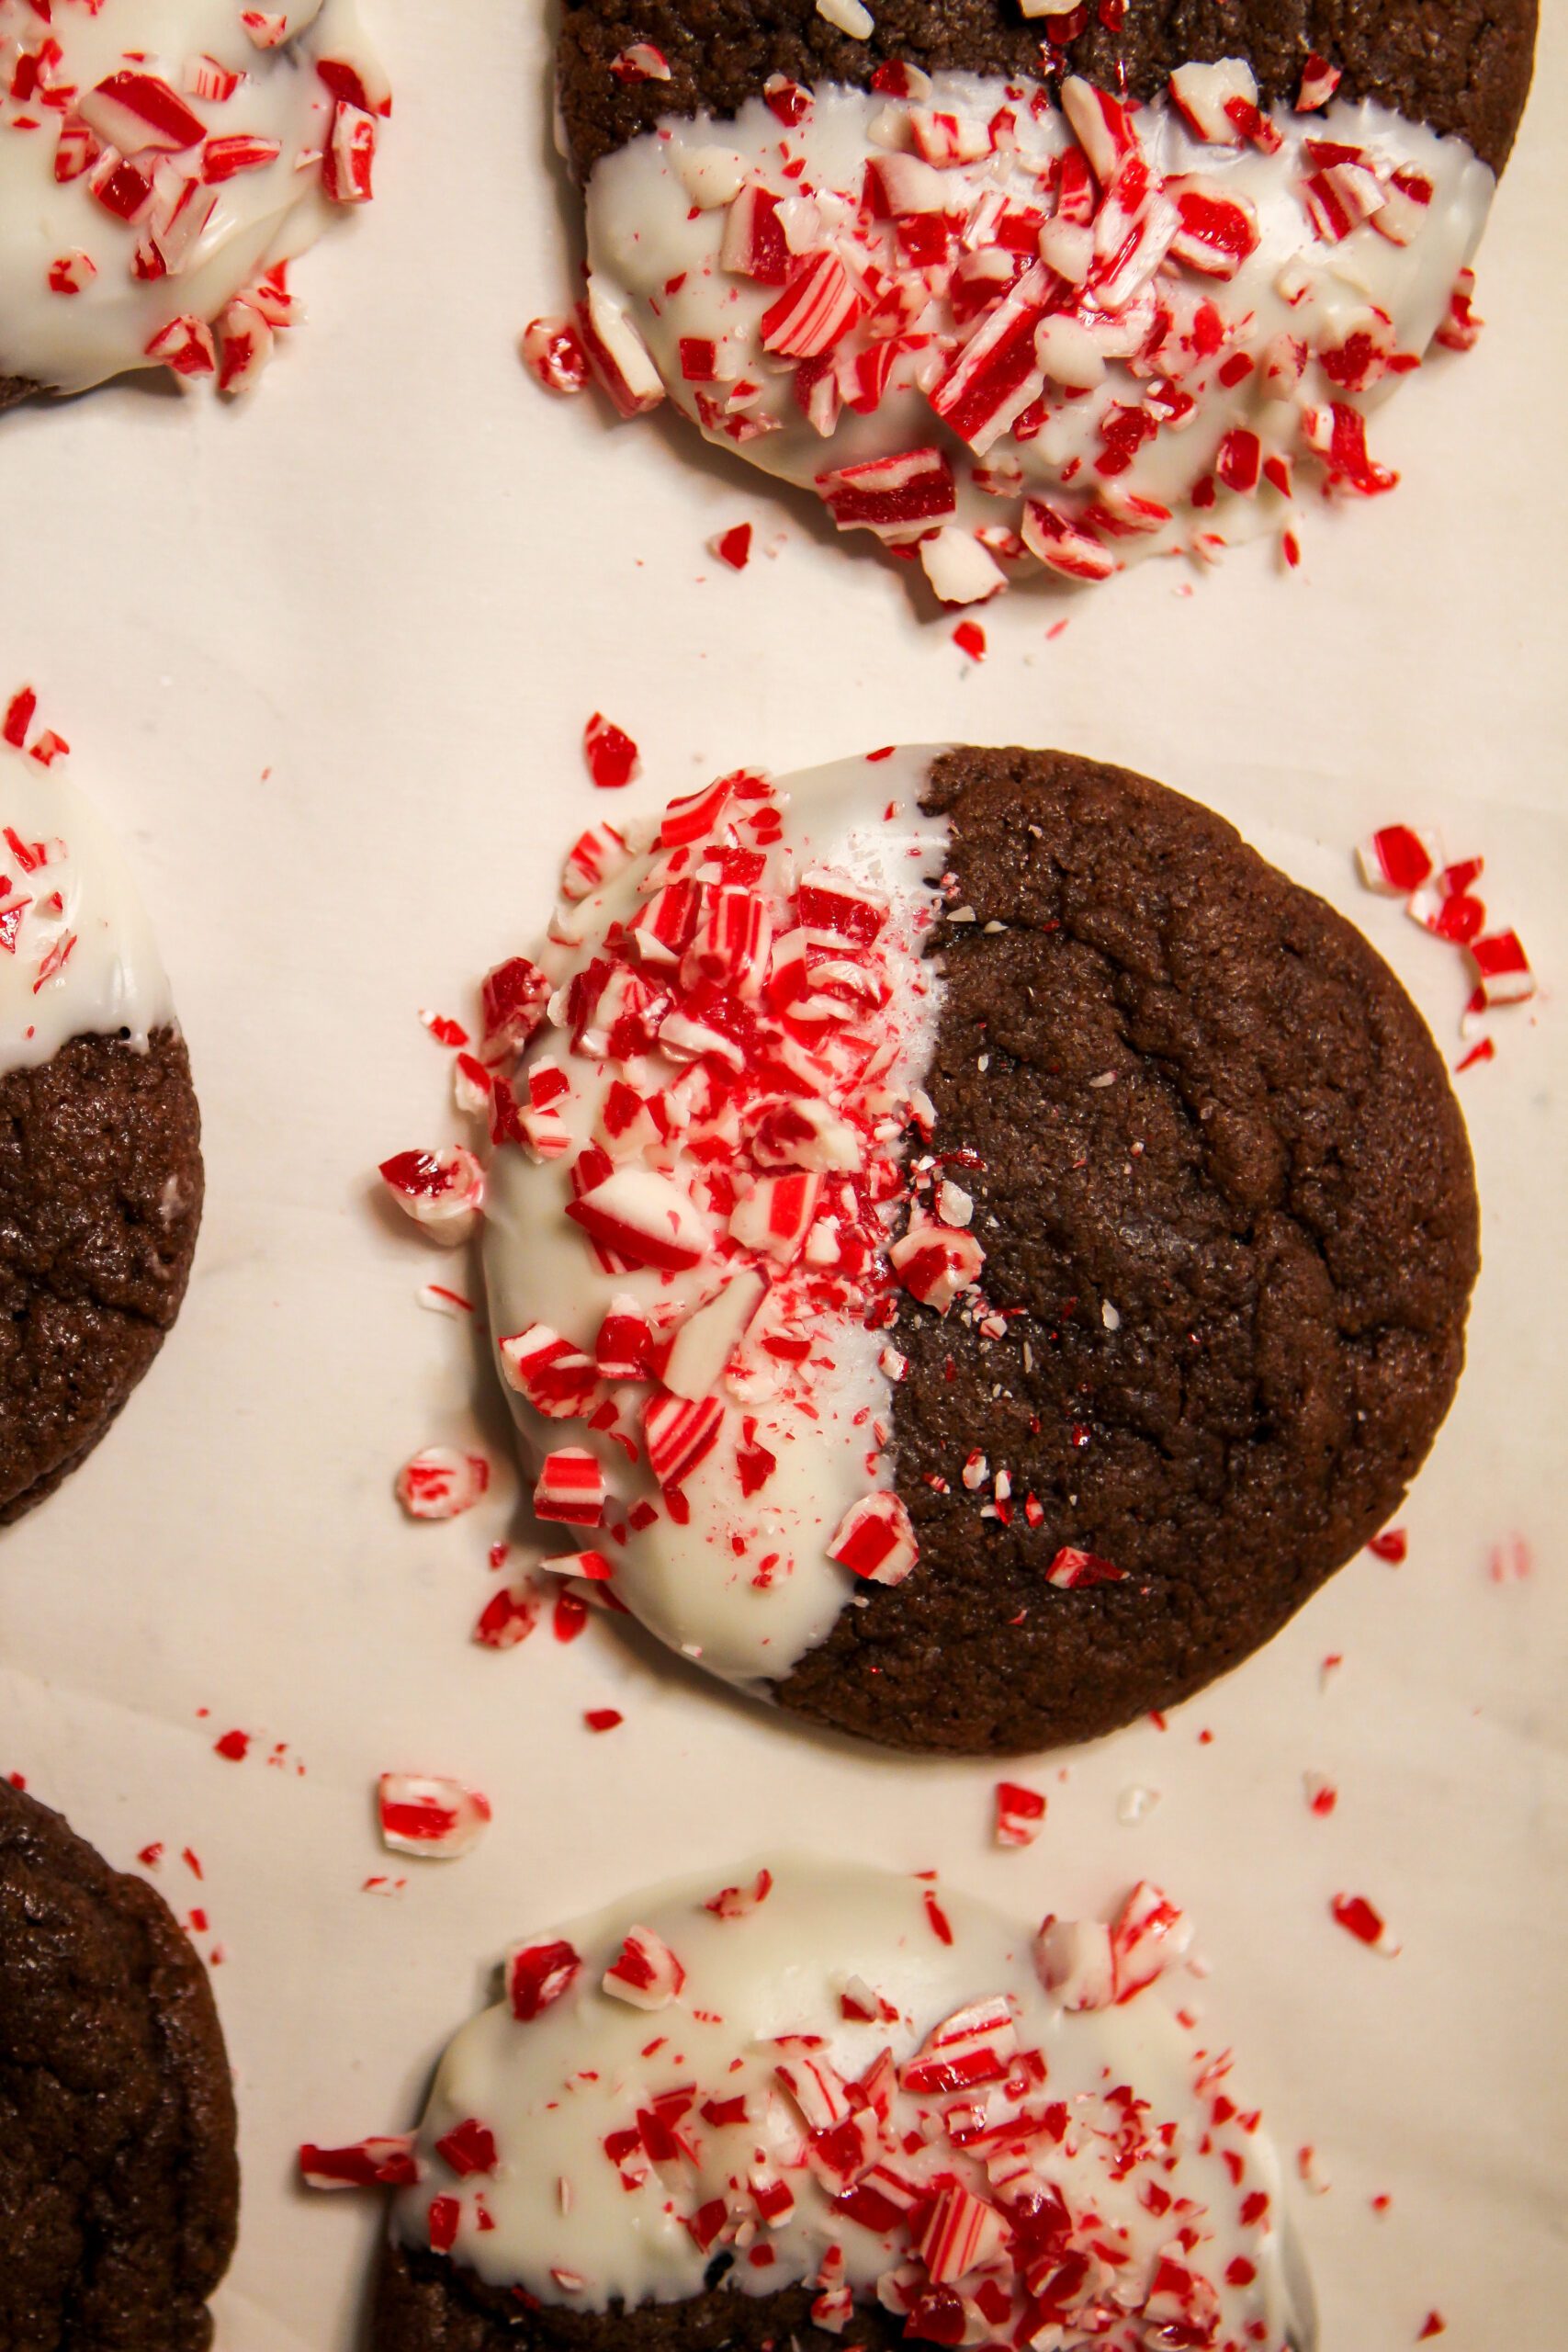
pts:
pixel 1003 336
pixel 1401 861
pixel 437 1819
pixel 441 1482
pixel 166 173
pixel 1392 1546
pixel 614 760
pixel 1322 1796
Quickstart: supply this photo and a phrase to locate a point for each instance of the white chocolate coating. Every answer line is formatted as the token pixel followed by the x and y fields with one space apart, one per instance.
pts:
pixel 68 341
pixel 697 1585
pixel 657 222
pixel 77 955
pixel 570 2222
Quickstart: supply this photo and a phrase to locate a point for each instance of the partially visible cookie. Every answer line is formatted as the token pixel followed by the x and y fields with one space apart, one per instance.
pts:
pixel 1020 292
pixel 825 2107
pixel 1465 71
pixel 118 2182
pixel 971 1247
pixel 159 168
pixel 100 1158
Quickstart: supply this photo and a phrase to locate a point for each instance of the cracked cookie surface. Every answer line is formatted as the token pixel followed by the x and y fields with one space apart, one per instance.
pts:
pixel 100 1199
pixel 1228 1184
pixel 119 2184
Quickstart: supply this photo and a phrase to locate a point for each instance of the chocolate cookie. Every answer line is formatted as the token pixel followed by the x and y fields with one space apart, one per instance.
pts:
pixel 1466 69
pixel 971 1247
pixel 780 2154
pixel 100 1159
pixel 100 1200
pixel 993 314
pixel 119 2185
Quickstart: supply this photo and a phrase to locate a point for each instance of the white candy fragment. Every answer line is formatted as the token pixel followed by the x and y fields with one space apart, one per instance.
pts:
pixel 849 17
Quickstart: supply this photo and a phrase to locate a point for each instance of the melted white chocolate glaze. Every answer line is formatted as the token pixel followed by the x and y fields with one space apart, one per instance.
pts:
pixel 1103 2149
pixel 742 1584
pixel 659 210
pixel 77 955
pixel 100 321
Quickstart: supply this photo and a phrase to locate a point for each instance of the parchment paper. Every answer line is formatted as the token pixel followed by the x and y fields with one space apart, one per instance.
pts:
pixel 326 660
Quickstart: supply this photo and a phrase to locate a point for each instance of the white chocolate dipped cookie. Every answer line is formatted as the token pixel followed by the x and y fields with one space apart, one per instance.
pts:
pixel 162 162
pixel 1020 294
pixel 826 2104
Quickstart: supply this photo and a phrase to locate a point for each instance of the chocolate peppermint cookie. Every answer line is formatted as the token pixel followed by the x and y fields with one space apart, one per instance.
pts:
pixel 827 2107
pixel 972 1248
pixel 119 2185
pixel 160 163
pixel 1018 291
pixel 100 1159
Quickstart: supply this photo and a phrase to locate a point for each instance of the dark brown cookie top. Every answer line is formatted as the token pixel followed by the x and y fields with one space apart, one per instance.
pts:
pixel 1226 1178
pixel 119 2184
pixel 14 389
pixel 1459 66
pixel 424 2304
pixel 100 1198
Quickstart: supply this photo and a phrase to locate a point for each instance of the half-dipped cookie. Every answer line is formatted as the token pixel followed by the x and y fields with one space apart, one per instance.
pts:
pixel 100 1158
pixel 971 1247
pixel 1012 286
pixel 831 2107
pixel 119 2183
pixel 162 162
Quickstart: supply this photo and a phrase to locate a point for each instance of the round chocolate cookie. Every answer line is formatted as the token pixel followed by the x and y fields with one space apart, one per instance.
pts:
pixel 100 1200
pixel 1463 67
pixel 982 1247
pixel 1223 1183
pixel 119 2183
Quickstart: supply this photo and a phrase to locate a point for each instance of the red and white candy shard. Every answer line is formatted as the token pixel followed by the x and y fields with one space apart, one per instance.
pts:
pixel 816 2085
pixel 1400 861
pixel 435 1818
pixel 693 1275
pixel 77 955
pixel 442 1482
pixel 1014 335
pixel 176 154
pixel 442 1191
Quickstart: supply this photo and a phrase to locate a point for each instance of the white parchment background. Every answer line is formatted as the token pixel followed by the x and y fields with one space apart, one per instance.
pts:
pixel 326 662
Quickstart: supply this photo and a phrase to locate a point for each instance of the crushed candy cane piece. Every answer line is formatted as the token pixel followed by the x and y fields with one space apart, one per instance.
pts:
pixel 438 1819
pixel 441 1482
pixel 644 1972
